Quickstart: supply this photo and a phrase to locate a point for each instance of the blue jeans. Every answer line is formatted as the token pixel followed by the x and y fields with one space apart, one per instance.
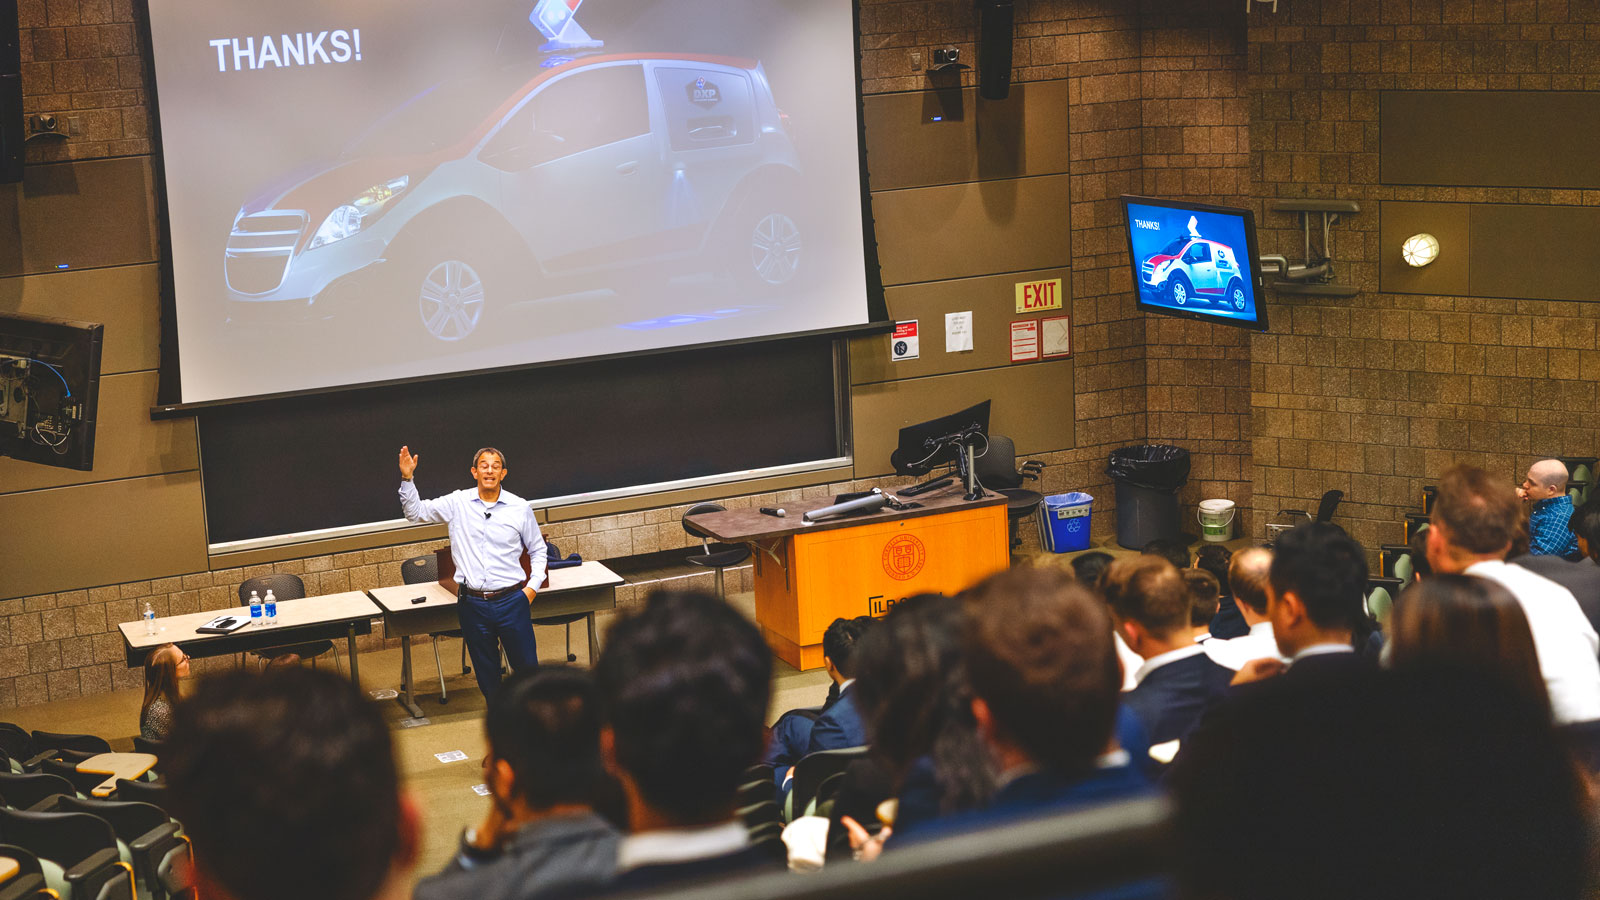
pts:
pixel 489 623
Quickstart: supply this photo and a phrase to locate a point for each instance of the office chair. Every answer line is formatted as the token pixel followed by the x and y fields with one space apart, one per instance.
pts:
pixel 286 586
pixel 998 471
pixel 1330 502
pixel 708 558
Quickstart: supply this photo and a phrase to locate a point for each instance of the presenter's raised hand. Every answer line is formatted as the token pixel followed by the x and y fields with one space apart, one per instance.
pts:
pixel 408 462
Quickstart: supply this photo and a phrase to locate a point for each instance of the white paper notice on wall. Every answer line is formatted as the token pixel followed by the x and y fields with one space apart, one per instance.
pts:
pixel 1055 336
pixel 903 343
pixel 958 332
pixel 1025 340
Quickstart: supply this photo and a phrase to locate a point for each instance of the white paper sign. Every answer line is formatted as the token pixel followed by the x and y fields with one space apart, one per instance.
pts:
pixel 452 756
pixel 1024 340
pixel 1055 335
pixel 957 332
pixel 903 343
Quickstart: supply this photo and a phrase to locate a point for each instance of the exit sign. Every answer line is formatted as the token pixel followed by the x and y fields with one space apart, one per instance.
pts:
pixel 1036 296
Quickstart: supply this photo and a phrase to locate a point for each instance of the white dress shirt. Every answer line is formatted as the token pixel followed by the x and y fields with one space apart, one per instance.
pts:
pixel 486 539
pixel 681 845
pixel 1562 636
pixel 1131 662
pixel 1235 652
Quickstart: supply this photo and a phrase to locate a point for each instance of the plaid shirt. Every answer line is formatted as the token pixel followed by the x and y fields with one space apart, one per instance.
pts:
pixel 1548 530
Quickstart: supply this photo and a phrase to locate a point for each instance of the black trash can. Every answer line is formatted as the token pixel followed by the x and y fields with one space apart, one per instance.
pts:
pixel 1147 478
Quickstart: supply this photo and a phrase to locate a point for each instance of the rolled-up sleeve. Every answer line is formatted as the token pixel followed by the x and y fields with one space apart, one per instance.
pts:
pixel 417 509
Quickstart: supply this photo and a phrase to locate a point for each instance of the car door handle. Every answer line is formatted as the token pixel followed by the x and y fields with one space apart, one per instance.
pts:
pixel 628 168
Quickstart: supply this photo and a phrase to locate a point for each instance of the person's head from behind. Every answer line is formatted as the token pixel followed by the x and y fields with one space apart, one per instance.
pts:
pixel 1453 769
pixel 1585 524
pixel 1090 567
pixel 1467 622
pixel 1475 517
pixel 1204 594
pixel 1545 479
pixel 285 782
pixel 1317 585
pixel 1248 573
pixel 683 684
pixel 915 699
pixel 1043 669
pixel 1150 604
pixel 839 645
pixel 1173 551
pixel 162 669
pixel 1215 558
pixel 1419 554
pixel 543 728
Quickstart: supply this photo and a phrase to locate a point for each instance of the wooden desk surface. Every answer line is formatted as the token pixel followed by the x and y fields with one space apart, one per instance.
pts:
pixel 116 765
pixel 397 599
pixel 327 608
pixel 737 526
pixel 8 869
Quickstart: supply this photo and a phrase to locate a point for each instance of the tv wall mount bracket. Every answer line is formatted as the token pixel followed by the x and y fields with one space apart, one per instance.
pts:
pixel 1314 275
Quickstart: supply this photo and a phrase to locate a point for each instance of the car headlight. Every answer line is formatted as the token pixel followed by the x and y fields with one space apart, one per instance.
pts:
pixel 346 219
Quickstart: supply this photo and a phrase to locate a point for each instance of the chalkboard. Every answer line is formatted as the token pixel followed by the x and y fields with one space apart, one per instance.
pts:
pixel 324 461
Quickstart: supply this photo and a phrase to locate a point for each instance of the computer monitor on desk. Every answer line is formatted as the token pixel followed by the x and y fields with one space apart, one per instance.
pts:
pixel 939 442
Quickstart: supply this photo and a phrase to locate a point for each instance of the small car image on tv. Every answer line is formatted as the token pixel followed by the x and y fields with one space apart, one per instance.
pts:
pixel 489 191
pixel 1192 269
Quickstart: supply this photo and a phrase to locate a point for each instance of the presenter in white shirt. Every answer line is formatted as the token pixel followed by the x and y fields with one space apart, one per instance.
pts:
pixel 490 529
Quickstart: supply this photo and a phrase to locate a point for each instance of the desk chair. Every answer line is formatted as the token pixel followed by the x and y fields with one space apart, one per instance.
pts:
pixel 146 837
pixel 708 558
pixel 285 586
pixel 15 742
pixel 77 852
pixel 81 743
pixel 811 772
pixel 28 791
pixel 83 783
pixel 28 883
pixel 998 471
pixel 151 792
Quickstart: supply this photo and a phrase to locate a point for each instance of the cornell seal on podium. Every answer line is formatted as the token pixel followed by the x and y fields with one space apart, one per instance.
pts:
pixel 903 557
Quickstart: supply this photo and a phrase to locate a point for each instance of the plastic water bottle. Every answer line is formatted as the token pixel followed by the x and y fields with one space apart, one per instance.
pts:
pixel 255 608
pixel 149 618
pixel 272 609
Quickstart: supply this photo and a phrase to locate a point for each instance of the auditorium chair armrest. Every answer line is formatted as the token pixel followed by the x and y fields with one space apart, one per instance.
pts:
pixel 48 804
pixel 100 869
pixel 1031 469
pixel 38 759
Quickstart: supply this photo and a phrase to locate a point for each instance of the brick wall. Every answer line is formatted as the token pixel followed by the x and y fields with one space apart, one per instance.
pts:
pixel 81 63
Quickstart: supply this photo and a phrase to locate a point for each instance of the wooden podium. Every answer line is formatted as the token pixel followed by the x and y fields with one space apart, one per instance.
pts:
pixel 809 575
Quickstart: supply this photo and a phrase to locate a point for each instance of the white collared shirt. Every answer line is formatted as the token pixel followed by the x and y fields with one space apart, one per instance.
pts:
pixel 1131 662
pixel 1161 659
pixel 1235 652
pixel 1320 650
pixel 1562 636
pixel 680 845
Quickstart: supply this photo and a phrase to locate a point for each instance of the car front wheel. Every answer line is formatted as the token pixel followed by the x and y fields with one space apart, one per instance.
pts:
pixel 1180 290
pixel 450 300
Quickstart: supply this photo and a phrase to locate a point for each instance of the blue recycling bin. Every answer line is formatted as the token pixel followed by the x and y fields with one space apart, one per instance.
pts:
pixel 1066 518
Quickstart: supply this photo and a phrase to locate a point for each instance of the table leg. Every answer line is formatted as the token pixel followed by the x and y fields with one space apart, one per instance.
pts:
pixel 355 666
pixel 407 683
pixel 594 641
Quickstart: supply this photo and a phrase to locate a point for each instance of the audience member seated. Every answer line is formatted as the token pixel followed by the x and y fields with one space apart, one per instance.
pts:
pixel 1247 573
pixel 1419 555
pixel 1150 605
pixel 1228 623
pixel 913 693
pixel 1427 782
pixel 1544 489
pixel 285 783
pixel 542 832
pixel 1090 568
pixel 162 669
pixel 1582 578
pixel 1173 551
pixel 683 685
pixel 1204 591
pixel 1463 621
pixel 839 723
pixel 1316 587
pixel 1474 518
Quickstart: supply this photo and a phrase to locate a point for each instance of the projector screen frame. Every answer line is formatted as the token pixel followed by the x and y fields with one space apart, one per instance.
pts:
pixel 1250 257
pixel 169 403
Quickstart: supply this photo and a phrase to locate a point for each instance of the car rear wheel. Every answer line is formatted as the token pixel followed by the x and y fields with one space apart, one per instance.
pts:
pixel 1180 290
pixel 450 300
pixel 1236 294
pixel 767 244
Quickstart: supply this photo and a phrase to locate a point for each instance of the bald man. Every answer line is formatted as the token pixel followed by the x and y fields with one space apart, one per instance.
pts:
pixel 1544 490
pixel 1247 574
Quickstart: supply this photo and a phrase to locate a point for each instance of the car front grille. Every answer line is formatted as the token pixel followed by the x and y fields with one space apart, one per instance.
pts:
pixel 259 249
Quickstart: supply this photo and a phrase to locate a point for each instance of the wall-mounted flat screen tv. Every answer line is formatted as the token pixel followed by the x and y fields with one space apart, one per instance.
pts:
pixel 1195 261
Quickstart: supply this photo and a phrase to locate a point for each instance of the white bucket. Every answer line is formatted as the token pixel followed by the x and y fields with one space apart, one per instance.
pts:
pixel 1216 520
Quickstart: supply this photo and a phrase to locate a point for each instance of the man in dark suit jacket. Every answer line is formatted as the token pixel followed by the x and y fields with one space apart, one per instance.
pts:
pixel 1150 604
pixel 684 684
pixel 792 735
pixel 1582 578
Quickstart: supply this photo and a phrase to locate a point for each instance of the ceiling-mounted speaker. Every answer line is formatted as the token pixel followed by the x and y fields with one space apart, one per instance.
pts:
pixel 994 48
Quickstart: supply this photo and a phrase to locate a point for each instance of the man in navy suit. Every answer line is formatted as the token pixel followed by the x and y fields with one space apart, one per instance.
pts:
pixel 792 735
pixel 1150 604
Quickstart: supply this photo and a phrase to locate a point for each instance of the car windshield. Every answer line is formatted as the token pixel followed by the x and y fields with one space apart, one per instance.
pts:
pixel 1174 248
pixel 440 115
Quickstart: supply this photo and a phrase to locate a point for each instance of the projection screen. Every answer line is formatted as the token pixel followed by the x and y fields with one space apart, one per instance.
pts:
pixel 360 192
